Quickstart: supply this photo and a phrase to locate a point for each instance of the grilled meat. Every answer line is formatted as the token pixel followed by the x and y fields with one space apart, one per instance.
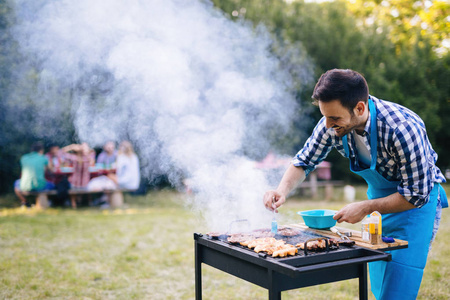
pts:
pixel 318 244
pixel 288 231
pixel 272 246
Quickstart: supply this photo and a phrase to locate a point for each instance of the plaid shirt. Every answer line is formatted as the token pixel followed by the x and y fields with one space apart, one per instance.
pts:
pixel 403 149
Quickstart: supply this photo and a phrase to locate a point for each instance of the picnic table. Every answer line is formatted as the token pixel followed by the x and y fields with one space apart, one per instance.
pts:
pixel 116 196
pixel 94 171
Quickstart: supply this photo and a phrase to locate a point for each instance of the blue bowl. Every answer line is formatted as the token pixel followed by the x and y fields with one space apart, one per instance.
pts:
pixel 318 218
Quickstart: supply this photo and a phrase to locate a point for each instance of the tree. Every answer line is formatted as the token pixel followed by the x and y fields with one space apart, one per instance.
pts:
pixel 397 45
pixel 408 21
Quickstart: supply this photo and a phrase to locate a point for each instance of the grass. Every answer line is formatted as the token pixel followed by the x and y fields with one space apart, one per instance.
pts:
pixel 145 251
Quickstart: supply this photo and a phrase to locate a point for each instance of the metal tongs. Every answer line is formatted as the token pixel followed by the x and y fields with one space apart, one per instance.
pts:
pixel 345 240
pixel 342 236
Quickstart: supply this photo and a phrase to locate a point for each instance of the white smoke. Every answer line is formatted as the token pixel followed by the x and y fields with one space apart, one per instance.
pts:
pixel 195 92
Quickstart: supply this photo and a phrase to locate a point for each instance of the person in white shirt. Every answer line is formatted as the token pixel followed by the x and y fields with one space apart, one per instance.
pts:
pixel 127 168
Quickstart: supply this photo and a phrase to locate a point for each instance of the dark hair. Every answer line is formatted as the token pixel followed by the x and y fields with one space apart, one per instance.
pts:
pixel 37 146
pixel 51 145
pixel 347 86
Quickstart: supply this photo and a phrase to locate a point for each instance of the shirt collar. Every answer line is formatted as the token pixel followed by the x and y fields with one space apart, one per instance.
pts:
pixel 368 122
pixel 367 127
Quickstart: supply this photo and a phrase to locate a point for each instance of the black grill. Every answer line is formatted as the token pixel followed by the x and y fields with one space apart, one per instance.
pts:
pixel 281 274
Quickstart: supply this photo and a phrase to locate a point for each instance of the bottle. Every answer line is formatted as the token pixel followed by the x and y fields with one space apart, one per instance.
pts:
pixel 274 226
pixel 375 228
pixel 365 230
pixel 378 215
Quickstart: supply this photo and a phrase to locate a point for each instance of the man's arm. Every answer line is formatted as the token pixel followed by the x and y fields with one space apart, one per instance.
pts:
pixel 355 212
pixel 291 178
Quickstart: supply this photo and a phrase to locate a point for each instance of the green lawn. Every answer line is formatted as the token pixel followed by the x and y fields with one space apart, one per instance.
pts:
pixel 145 251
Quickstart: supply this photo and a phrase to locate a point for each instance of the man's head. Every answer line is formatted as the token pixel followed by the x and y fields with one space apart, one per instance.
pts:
pixel 37 147
pixel 347 86
pixel 109 147
pixel 342 98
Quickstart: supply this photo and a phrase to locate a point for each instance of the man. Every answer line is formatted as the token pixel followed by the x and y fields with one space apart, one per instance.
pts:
pixel 33 167
pixel 387 145
pixel 108 156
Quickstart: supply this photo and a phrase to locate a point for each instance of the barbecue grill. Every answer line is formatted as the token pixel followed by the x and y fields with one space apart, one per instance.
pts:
pixel 307 268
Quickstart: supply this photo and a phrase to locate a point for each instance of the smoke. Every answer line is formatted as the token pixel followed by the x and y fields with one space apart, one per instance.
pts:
pixel 198 94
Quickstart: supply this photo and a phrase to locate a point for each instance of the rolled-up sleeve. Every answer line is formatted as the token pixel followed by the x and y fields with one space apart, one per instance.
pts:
pixel 413 161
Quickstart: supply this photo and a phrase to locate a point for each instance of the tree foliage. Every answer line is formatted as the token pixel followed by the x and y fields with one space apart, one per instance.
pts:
pixel 408 21
pixel 398 45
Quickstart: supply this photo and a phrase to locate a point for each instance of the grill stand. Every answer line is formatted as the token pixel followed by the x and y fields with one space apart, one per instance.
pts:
pixel 276 277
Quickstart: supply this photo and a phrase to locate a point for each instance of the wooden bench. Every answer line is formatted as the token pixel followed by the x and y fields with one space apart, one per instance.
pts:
pixel 41 197
pixel 115 196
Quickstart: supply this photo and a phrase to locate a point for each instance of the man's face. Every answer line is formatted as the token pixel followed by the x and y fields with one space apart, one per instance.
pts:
pixel 339 118
pixel 109 147
pixel 54 150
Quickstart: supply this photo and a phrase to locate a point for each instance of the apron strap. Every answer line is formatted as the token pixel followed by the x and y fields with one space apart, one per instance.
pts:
pixel 442 196
pixel 373 134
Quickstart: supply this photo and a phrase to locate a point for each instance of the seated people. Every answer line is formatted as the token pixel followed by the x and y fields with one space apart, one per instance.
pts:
pixel 33 166
pixel 108 156
pixel 127 174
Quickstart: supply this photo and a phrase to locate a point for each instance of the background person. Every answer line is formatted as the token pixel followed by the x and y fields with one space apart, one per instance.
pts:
pixel 55 156
pixel 127 168
pixel 81 156
pixel 387 145
pixel 108 156
pixel 33 166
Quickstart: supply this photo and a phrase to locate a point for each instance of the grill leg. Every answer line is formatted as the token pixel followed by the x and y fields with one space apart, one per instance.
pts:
pixel 363 282
pixel 274 295
pixel 274 292
pixel 198 272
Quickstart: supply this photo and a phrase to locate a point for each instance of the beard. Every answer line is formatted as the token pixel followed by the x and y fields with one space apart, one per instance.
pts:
pixel 344 130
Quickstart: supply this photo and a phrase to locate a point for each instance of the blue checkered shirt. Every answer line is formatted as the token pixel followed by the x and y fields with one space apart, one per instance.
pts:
pixel 404 152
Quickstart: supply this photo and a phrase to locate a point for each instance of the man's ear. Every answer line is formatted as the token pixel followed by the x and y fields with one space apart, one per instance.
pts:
pixel 360 108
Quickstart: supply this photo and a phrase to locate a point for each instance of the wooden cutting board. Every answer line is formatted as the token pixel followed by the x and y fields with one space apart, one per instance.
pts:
pixel 356 236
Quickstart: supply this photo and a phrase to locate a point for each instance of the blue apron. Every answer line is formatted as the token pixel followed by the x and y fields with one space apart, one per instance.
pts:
pixel 401 277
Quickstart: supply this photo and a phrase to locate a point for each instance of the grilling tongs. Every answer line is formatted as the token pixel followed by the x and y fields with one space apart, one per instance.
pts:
pixel 344 239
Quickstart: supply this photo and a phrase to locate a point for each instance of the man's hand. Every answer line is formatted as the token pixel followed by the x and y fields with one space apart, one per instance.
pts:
pixel 353 213
pixel 272 200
